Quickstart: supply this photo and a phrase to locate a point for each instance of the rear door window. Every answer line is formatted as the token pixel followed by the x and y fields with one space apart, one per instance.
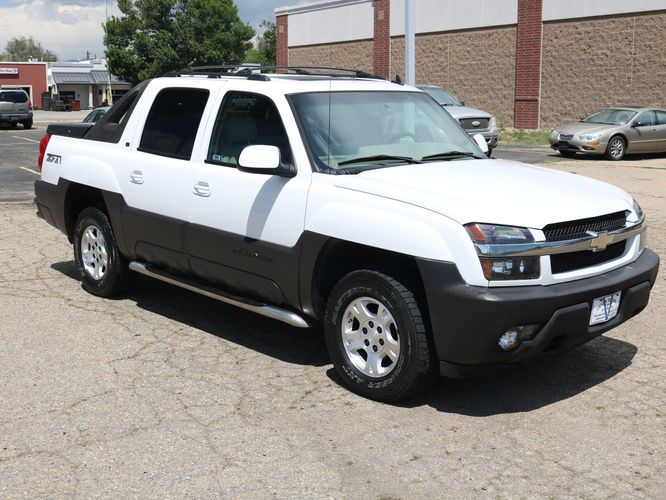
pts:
pixel 173 122
pixel 661 117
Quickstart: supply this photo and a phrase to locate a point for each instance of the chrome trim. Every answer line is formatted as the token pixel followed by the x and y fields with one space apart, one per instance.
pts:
pixel 595 242
pixel 283 315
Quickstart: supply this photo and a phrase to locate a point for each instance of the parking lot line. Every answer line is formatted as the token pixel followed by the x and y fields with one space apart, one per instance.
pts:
pixel 30 170
pixel 24 138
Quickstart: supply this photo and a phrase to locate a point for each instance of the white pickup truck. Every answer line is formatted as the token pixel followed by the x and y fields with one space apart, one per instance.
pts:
pixel 349 201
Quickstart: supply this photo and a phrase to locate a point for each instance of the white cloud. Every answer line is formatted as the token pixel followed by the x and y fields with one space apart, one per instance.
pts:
pixel 68 28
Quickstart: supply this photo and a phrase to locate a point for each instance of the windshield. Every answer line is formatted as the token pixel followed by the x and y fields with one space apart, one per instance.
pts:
pixel 361 130
pixel 610 117
pixel 441 96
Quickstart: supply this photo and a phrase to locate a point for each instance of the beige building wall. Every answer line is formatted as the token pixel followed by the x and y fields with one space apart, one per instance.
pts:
pixel 478 66
pixel 593 63
pixel 352 55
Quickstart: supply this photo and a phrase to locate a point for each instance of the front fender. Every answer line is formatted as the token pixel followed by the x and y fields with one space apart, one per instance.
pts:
pixel 391 225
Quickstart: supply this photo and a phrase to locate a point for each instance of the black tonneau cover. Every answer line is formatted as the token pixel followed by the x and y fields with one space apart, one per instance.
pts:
pixel 76 130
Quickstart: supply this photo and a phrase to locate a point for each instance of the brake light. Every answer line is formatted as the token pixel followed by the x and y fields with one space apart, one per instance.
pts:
pixel 29 106
pixel 43 143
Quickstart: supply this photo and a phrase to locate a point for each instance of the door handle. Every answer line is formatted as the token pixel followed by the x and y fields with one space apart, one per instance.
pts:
pixel 202 188
pixel 136 176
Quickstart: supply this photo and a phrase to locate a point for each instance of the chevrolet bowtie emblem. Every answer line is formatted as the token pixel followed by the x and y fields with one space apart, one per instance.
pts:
pixel 599 240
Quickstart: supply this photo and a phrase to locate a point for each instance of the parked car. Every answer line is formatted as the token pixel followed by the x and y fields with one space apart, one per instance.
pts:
pixel 613 132
pixel 15 108
pixel 354 203
pixel 96 114
pixel 474 121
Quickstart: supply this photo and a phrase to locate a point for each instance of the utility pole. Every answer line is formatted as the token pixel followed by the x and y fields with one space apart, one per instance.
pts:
pixel 410 43
pixel 109 92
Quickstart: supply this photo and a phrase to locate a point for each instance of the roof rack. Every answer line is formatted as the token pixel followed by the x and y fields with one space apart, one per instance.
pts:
pixel 255 72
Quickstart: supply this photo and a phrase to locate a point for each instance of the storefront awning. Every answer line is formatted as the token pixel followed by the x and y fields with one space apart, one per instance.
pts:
pixel 73 78
pixel 102 78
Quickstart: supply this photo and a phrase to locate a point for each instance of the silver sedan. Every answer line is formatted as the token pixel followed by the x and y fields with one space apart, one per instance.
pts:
pixel 613 132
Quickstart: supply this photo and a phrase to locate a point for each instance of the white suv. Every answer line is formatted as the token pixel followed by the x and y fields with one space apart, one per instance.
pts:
pixel 349 201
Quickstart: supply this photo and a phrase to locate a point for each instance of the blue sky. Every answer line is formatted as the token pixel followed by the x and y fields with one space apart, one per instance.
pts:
pixel 70 27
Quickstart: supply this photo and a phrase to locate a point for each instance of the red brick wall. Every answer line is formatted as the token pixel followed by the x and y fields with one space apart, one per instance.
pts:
pixel 282 40
pixel 381 51
pixel 29 74
pixel 528 64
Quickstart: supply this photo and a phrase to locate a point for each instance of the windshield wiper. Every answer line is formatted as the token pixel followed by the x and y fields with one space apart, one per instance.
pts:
pixel 364 159
pixel 449 154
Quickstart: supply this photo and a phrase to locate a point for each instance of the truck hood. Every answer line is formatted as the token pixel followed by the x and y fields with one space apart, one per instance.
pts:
pixel 492 191
pixel 460 112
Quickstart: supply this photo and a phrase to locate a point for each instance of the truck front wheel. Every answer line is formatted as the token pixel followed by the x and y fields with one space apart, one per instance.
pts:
pixel 377 337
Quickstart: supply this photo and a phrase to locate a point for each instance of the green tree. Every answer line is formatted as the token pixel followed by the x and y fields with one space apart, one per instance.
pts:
pixel 264 51
pixel 155 36
pixel 24 48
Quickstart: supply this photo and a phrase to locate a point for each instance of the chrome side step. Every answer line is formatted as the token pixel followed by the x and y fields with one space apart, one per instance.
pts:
pixel 283 315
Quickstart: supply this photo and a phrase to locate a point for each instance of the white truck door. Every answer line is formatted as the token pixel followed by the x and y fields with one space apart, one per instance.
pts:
pixel 245 227
pixel 156 177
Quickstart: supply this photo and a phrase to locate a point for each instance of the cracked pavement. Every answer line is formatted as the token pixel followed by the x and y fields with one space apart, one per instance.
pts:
pixel 164 393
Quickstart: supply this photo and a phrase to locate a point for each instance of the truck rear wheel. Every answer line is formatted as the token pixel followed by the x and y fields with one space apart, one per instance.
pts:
pixel 377 337
pixel 103 270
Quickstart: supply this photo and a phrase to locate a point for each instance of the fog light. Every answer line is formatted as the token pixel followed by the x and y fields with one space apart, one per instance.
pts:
pixel 514 336
pixel 509 340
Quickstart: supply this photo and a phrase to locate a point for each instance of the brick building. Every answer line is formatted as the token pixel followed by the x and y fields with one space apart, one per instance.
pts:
pixel 532 63
pixel 29 76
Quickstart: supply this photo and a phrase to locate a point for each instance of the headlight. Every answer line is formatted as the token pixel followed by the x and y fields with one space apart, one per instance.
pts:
pixel 554 134
pixel 637 214
pixel 504 268
pixel 588 137
pixel 493 122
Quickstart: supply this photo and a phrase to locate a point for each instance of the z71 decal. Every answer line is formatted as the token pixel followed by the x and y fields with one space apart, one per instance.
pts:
pixel 51 158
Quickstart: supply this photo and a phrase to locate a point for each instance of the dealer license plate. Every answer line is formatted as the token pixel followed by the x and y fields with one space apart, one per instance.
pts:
pixel 605 308
pixel 16 118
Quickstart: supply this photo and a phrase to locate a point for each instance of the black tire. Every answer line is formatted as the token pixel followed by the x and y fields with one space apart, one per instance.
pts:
pixel 12 124
pixel 27 124
pixel 413 369
pixel 568 154
pixel 115 276
pixel 617 148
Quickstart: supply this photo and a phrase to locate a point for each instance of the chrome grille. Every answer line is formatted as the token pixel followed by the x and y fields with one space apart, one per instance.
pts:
pixel 575 229
pixel 468 123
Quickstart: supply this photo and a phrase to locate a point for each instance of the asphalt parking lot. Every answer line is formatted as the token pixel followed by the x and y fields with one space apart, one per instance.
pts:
pixel 164 393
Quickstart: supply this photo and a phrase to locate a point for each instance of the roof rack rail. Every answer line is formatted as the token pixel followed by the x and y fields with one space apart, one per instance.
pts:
pixel 255 72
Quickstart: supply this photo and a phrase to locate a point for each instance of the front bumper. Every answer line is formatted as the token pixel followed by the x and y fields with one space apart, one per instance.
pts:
pixel 15 117
pixel 574 145
pixel 467 321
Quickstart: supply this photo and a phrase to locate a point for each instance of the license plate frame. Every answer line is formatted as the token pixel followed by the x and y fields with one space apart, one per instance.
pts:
pixel 605 308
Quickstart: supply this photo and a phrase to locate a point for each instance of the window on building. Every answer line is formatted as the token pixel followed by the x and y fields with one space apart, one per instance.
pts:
pixel 246 119
pixel 173 122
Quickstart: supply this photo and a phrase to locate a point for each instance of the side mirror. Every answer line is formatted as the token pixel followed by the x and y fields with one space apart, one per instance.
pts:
pixel 638 124
pixel 462 103
pixel 260 159
pixel 481 142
